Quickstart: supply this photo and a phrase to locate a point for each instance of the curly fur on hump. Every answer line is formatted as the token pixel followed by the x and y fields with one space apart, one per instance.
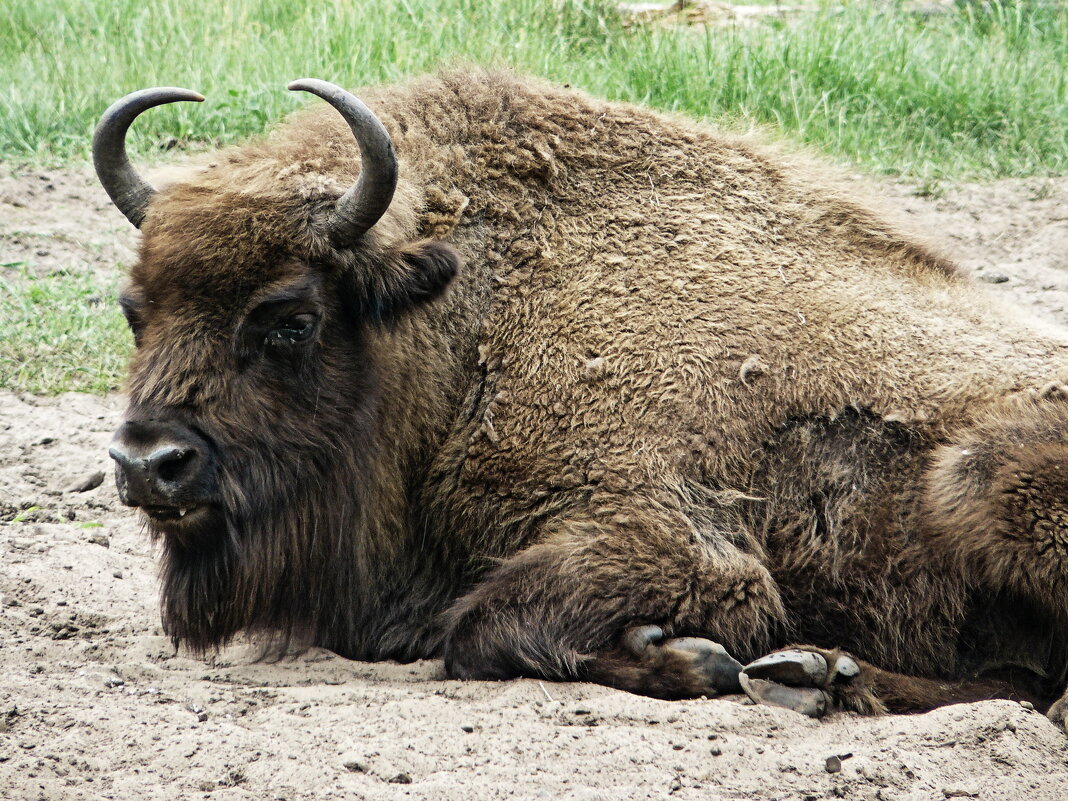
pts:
pixel 679 379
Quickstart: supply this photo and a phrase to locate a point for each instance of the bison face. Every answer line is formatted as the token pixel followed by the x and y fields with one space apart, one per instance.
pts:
pixel 261 318
pixel 246 375
pixel 215 390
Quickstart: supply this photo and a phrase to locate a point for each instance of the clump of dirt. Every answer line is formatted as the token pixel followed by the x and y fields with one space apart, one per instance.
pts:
pixel 95 703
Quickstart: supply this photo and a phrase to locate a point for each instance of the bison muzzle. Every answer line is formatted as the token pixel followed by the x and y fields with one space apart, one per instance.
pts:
pixel 553 387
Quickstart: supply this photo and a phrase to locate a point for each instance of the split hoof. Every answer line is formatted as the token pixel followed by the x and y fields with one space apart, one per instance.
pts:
pixel 798 680
pixel 795 668
pixel 712 660
pixel 714 670
pixel 806 700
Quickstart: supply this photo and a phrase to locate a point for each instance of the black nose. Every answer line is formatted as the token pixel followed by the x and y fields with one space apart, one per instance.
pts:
pixel 161 463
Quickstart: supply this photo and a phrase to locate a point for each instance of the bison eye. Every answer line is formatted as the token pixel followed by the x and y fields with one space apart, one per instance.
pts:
pixel 292 330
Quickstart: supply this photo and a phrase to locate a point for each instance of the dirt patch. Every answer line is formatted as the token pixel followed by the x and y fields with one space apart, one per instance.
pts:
pixel 95 703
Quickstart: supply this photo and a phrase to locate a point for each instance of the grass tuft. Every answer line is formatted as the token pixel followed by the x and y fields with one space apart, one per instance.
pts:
pixel 62 332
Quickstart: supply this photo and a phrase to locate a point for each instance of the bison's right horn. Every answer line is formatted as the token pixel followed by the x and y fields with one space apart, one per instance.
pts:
pixel 365 203
pixel 128 190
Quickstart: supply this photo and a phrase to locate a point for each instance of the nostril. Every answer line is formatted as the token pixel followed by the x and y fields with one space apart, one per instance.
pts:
pixel 171 464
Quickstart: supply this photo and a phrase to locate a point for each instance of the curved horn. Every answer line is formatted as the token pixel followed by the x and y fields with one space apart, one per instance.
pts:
pixel 365 203
pixel 124 186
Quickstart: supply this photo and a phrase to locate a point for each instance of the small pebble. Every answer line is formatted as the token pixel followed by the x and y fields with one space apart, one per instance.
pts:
pixel 1027 705
pixel 994 278
pixel 354 766
pixel 401 778
pixel 834 764
pixel 467 729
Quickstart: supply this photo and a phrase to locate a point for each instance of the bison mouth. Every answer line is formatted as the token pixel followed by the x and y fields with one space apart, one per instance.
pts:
pixel 183 523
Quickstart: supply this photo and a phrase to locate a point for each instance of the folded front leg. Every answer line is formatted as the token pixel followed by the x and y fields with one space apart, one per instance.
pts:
pixel 634 599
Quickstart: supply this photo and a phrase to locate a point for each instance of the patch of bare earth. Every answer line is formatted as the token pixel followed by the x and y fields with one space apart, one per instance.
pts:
pixel 96 704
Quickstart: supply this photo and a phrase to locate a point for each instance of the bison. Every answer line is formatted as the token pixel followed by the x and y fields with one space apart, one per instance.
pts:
pixel 553 387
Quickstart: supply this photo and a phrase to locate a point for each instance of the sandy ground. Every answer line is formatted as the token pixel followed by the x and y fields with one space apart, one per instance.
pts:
pixel 96 704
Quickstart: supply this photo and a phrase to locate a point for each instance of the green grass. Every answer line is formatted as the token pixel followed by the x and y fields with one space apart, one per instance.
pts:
pixel 979 93
pixel 970 94
pixel 61 332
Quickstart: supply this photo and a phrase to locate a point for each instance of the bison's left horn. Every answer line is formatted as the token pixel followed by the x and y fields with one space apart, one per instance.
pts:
pixel 365 203
pixel 128 190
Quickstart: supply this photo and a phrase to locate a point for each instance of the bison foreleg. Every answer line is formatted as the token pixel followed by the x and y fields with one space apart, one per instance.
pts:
pixel 814 681
pixel 622 603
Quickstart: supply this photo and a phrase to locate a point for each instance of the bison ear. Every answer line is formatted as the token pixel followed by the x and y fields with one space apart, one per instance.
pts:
pixel 406 278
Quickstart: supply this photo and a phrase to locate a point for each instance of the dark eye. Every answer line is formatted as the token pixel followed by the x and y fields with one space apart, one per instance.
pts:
pixel 292 330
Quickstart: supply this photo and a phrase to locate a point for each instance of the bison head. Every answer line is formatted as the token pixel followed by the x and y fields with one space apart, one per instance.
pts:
pixel 255 389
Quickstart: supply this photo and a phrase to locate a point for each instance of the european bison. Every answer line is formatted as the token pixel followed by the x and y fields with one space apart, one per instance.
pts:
pixel 571 389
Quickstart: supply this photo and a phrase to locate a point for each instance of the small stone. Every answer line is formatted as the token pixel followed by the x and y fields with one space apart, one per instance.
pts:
pixel 834 764
pixel 467 729
pixel 401 778
pixel 960 791
pixel 716 751
pixel 1028 706
pixel 86 483
pixel 994 278
pixel 114 682
pixel 354 766
pixel 117 574
pixel 100 539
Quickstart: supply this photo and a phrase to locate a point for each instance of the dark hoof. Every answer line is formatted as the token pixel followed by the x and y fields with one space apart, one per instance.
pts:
pixel 711 659
pixel 637 639
pixel 806 700
pixel 716 670
pixel 796 668
pixel 798 680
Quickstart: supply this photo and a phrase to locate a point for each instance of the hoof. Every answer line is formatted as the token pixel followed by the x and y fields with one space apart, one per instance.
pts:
pixel 712 660
pixel 798 680
pixel 796 668
pixel 639 638
pixel 806 700
pixel 713 670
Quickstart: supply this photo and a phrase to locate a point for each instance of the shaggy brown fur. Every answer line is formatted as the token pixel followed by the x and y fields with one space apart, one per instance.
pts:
pixel 678 380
